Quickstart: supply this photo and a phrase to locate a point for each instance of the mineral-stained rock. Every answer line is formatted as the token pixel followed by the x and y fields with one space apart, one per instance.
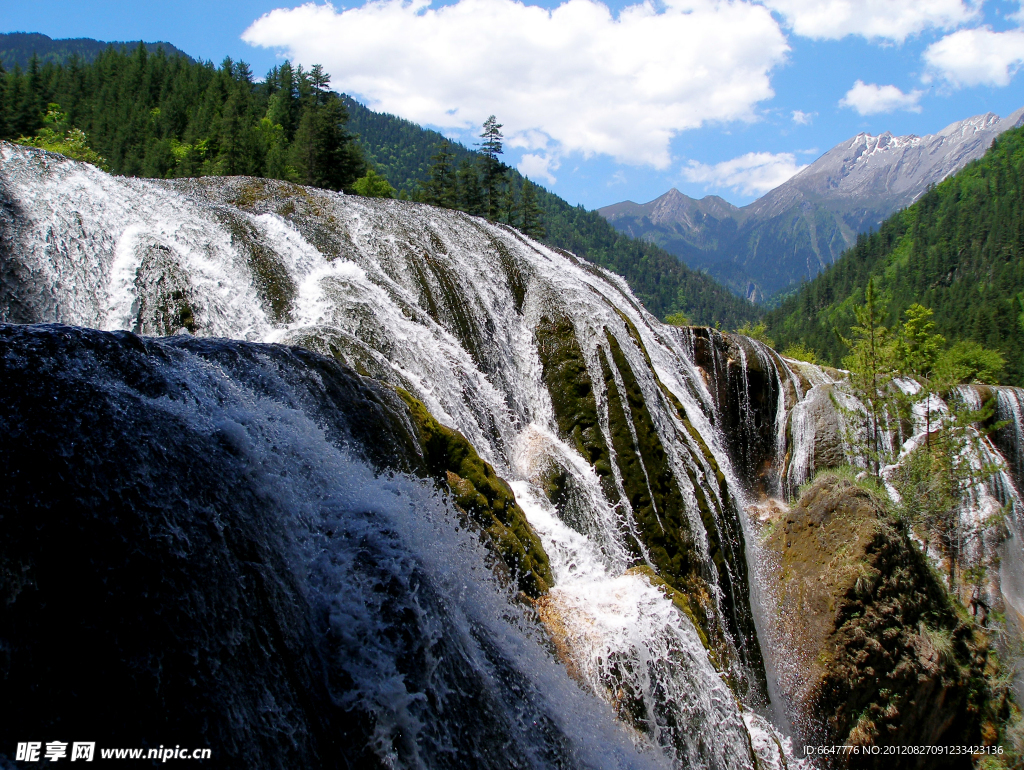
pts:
pixel 884 657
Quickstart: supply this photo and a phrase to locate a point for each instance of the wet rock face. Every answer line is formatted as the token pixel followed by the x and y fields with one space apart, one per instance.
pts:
pixel 484 497
pixel 1010 438
pixel 744 383
pixel 147 584
pixel 828 449
pixel 180 545
pixel 883 656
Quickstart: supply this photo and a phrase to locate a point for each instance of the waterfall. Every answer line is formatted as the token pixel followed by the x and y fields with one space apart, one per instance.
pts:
pixel 1010 439
pixel 311 608
pixel 598 415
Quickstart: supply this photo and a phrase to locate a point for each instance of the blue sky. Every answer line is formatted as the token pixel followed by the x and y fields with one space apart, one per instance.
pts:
pixel 607 102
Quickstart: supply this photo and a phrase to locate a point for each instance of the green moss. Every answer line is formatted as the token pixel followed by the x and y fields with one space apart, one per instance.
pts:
pixel 659 510
pixel 304 206
pixel 485 498
pixel 646 473
pixel 444 299
pixel 513 275
pixel 252 193
pixel 572 398
pixel 274 285
pixel 678 599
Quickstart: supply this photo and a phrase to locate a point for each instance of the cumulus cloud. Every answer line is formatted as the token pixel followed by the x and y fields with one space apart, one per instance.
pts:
pixel 803 118
pixel 871 99
pixel 588 80
pixel 539 166
pixel 891 20
pixel 974 57
pixel 752 174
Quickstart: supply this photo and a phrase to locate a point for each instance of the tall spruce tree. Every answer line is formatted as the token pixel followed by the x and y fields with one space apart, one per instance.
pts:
pixel 872 365
pixel 530 221
pixel 493 170
pixel 324 153
pixel 471 194
pixel 441 187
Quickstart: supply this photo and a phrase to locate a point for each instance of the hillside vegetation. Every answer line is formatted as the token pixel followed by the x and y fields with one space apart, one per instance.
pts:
pixel 959 251
pixel 18 48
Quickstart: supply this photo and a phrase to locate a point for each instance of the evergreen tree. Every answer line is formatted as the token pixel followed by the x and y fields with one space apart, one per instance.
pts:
pixel 493 170
pixel 507 204
pixel 871 362
pixel 323 152
pixel 471 194
pixel 530 221
pixel 441 187
pixel 916 351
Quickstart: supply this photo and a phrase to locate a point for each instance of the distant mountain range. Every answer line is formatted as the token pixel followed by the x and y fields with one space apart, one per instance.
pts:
pixel 795 231
pixel 958 250
pixel 18 48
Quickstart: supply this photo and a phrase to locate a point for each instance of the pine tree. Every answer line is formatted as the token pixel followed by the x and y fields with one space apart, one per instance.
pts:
pixel 441 188
pixel 871 362
pixel 471 194
pixel 492 168
pixel 323 152
pixel 917 350
pixel 530 221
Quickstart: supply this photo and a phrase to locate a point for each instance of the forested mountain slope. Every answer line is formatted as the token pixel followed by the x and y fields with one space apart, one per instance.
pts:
pixel 18 48
pixel 165 116
pixel 959 250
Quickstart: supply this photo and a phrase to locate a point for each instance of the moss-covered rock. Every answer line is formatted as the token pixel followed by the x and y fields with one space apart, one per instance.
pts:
pixel 745 389
pixel 882 655
pixel 573 400
pixel 274 284
pixel 663 526
pixel 652 489
pixel 485 498
pixel 650 485
pixel 679 599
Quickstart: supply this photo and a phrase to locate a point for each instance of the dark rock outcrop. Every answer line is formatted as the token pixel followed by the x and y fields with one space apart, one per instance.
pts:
pixel 176 521
pixel 885 657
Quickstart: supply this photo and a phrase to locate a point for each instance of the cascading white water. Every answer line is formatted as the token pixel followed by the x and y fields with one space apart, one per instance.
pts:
pixel 1010 409
pixel 445 306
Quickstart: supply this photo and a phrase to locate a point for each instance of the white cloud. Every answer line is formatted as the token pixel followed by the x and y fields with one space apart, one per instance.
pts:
pixel 752 174
pixel 803 118
pixel 973 57
pixel 870 99
pixel 892 20
pixel 539 166
pixel 590 81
